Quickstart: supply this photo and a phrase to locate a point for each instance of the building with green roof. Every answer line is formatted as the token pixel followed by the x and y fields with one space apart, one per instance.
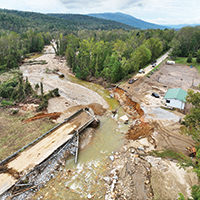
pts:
pixel 175 98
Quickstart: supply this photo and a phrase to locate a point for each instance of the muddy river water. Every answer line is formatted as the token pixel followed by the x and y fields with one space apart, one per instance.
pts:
pixel 84 180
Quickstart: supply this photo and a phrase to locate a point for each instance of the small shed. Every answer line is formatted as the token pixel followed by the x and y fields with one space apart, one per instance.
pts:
pixel 175 98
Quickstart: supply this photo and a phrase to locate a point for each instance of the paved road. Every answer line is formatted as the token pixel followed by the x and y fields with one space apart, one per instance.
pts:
pixel 149 68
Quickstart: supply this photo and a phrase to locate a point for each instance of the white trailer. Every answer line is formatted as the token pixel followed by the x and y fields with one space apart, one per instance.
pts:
pixel 170 62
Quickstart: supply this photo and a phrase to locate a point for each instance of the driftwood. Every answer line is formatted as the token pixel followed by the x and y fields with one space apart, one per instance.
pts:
pixel 21 192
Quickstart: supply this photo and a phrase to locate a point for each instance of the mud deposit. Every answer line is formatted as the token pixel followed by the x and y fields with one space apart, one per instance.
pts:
pixel 114 161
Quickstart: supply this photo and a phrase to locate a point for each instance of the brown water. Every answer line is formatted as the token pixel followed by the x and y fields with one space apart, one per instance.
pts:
pixel 77 181
pixel 83 180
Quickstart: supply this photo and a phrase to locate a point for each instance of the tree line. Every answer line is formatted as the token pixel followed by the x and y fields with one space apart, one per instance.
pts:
pixel 186 43
pixel 20 22
pixel 112 54
pixel 191 128
pixel 14 47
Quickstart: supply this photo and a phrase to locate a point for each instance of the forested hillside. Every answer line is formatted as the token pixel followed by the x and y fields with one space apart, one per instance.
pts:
pixel 93 23
pixel 112 55
pixel 20 22
pixel 186 42
pixel 15 47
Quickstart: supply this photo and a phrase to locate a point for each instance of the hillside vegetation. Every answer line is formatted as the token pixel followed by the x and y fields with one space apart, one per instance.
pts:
pixel 94 49
pixel 112 55
pixel 93 23
pixel 20 22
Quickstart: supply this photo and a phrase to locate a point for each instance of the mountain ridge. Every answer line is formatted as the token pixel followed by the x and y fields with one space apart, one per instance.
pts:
pixel 21 21
pixel 128 19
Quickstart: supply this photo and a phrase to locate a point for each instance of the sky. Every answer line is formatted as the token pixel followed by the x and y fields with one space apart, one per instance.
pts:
pixel 155 11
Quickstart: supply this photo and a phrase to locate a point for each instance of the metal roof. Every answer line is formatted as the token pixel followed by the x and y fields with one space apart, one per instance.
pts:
pixel 176 93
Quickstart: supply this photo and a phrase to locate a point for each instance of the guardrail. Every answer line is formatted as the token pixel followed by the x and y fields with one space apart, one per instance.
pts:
pixel 39 138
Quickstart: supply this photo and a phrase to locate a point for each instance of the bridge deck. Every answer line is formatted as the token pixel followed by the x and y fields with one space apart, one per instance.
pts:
pixel 33 156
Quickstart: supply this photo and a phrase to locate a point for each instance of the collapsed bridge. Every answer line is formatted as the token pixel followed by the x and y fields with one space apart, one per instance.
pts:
pixel 22 162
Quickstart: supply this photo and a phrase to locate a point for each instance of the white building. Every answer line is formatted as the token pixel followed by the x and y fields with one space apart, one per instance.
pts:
pixel 175 98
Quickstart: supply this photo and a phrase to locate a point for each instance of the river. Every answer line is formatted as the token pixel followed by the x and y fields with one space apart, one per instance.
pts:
pixel 85 179
pixel 82 180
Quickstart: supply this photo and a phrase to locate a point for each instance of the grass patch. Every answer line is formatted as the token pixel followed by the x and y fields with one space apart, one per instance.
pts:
pixel 6 103
pixel 167 154
pixel 33 55
pixel 153 70
pixel 14 134
pixel 183 60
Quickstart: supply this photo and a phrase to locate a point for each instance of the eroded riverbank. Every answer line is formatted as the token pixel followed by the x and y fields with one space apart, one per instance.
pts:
pixel 111 166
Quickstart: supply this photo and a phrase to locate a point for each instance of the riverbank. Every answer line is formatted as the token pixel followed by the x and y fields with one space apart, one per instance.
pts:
pixel 129 170
pixel 165 135
pixel 72 94
pixel 162 179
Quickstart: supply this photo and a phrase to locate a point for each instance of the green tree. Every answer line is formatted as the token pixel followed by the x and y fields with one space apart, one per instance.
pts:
pixel 189 59
pixel 40 42
pixel 113 70
pixel 188 41
pixel 198 56
pixel 72 50
pixel 27 87
pixel 192 126
pixel 120 47
pixel 47 37
pixel 176 51
pixel 181 196
pixel 155 46
pixel 196 192
pixel 193 117
pixel 141 57
pixel 41 87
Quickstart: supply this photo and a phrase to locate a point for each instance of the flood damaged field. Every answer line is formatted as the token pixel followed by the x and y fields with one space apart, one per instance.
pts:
pixel 116 160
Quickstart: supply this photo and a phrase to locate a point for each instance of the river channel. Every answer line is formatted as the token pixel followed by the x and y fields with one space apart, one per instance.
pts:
pixel 84 180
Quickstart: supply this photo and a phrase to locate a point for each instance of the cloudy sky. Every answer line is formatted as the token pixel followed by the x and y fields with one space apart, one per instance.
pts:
pixel 155 11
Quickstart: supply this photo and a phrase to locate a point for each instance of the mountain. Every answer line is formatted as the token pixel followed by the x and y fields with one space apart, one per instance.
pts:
pixel 20 21
pixel 89 21
pixel 179 26
pixel 128 19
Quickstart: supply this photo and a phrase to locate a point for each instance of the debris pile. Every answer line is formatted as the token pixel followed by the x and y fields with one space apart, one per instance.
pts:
pixel 129 170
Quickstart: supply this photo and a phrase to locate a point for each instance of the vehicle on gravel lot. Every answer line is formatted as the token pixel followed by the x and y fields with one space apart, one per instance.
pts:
pixel 132 80
pixel 155 95
pixel 141 71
